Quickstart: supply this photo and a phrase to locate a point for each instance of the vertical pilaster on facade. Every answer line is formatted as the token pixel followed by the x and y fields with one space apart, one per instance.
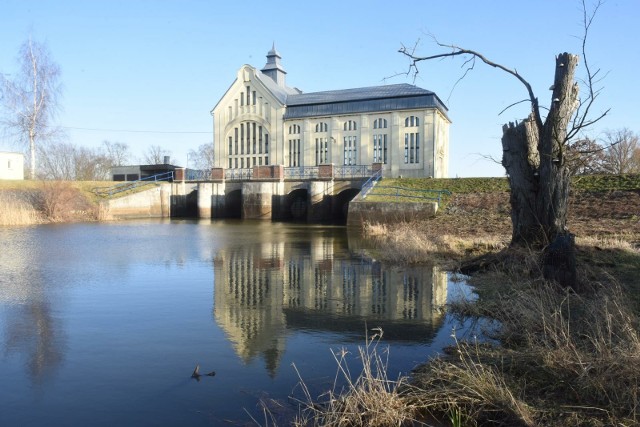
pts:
pixel 396 151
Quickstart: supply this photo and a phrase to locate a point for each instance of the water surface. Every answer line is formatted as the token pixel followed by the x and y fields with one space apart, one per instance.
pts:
pixel 103 324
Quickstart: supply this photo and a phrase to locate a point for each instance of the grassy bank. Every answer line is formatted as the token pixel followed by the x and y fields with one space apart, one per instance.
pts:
pixel 559 357
pixel 36 202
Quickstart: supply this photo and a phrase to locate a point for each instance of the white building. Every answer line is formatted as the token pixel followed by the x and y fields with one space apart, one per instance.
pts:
pixel 11 165
pixel 262 121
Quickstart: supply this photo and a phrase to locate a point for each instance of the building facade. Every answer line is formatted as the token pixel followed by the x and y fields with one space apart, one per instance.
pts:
pixel 11 165
pixel 262 121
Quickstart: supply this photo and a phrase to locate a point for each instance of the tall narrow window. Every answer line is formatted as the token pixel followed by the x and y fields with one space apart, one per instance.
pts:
pixel 248 139
pixel 412 140
pixel 322 151
pixel 380 140
pixel 350 150
pixel 294 146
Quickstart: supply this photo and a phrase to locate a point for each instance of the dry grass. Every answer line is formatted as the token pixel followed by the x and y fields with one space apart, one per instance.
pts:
pixel 403 243
pixel 44 201
pixel 370 399
pixel 16 211
pixel 564 359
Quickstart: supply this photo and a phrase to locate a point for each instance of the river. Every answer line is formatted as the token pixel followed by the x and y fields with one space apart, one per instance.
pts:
pixel 102 324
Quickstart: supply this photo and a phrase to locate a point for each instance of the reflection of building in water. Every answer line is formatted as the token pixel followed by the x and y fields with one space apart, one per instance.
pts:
pixel 262 290
pixel 248 301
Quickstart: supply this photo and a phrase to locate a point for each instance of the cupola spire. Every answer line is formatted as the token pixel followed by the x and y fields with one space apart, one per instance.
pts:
pixel 273 68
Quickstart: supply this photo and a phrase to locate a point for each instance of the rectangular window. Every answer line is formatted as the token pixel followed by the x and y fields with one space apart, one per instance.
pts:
pixel 241 99
pixel 384 149
pixel 236 141
pixel 235 161
pixel 412 147
pixel 241 138
pixel 230 163
pixel 266 144
pixel 260 139
pixel 406 148
pixel 254 97
pixel 350 150
pixel 230 145
pixel 253 138
pixel 242 163
pixel 248 94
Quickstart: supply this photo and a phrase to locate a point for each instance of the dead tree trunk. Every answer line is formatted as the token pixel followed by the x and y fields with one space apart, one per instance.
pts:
pixel 533 156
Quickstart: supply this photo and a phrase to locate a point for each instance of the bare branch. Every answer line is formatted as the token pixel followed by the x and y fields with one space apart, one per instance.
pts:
pixel 459 51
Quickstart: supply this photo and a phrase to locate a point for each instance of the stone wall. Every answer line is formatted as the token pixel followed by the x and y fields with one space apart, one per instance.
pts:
pixel 152 203
pixel 381 213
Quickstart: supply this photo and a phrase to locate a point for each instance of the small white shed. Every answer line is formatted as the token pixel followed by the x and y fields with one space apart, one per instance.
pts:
pixel 11 165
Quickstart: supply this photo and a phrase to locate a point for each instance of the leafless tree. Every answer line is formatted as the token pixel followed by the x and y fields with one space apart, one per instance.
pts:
pixel 535 149
pixel 622 154
pixel 155 155
pixel 30 100
pixel 202 158
pixel 67 162
pixel 585 156
pixel 117 153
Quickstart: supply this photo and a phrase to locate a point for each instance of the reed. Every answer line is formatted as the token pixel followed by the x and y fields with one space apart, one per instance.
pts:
pixel 16 211
pixel 370 398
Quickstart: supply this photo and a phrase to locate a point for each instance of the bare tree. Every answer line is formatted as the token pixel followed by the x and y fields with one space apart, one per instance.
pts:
pixel 535 149
pixel 57 161
pixel 155 155
pixel 66 161
pixel 623 152
pixel 585 157
pixel 202 158
pixel 30 100
pixel 117 153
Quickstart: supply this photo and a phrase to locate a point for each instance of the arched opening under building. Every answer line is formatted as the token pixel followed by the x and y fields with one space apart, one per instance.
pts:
pixel 341 205
pixel 296 205
pixel 233 204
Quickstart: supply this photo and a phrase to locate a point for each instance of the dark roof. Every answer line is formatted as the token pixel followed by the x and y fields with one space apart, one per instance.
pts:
pixel 361 100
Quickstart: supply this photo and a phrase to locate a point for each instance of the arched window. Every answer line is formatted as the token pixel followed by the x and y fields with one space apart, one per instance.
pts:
pixel 294 129
pixel 322 127
pixel 350 125
pixel 411 121
pixel 380 123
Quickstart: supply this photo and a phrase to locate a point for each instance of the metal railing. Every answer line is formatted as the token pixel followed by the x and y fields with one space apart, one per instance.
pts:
pixel 130 185
pixel 238 174
pixel 401 192
pixel 302 172
pixel 368 185
pixel 353 171
pixel 198 175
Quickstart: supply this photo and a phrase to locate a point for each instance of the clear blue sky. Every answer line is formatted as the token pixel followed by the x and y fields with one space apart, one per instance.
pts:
pixel 162 65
